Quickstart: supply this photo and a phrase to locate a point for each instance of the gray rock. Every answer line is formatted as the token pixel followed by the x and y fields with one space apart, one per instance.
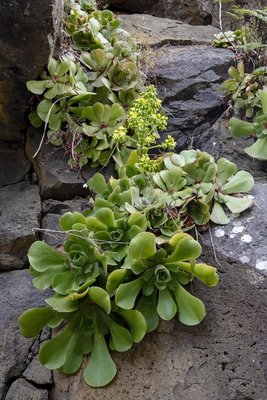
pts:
pixel 187 80
pixel 156 32
pixel 50 222
pixel 25 45
pixel 53 209
pixel 9 262
pixel 192 11
pixel 218 141
pixel 21 389
pixel 243 240
pixel 60 207
pixel 37 373
pixel 219 359
pixel 56 179
pixel 20 210
pixel 13 164
pixel 16 295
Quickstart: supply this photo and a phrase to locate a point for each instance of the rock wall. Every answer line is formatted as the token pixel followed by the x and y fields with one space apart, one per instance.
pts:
pixel 28 32
pixel 195 12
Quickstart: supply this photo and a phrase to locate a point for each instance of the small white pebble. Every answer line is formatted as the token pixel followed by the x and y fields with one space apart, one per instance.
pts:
pixel 219 232
pixel 246 239
pixel 85 185
pixel 232 236
pixel 244 259
pixel 238 229
pixel 261 265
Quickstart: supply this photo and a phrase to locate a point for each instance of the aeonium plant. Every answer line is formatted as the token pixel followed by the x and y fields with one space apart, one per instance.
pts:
pixel 257 129
pixel 103 303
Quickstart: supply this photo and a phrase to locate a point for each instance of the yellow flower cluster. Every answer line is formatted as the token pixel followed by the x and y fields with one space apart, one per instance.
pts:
pixel 144 118
pixel 119 134
pixel 169 143
pixel 147 166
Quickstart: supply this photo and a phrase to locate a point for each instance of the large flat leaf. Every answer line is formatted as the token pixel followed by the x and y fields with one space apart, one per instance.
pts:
pixel 239 128
pixel 126 293
pixel 98 184
pixel 43 257
pixel 166 306
pixel 238 204
pixel 226 169
pixel 52 354
pixel 186 249
pixel 258 149
pixel 191 310
pixel 62 303
pixel 101 369
pixel 100 297
pixel 241 182
pixel 218 215
pixel 136 322
pixel 32 321
pixel 143 246
pixel 148 307
pixel 121 337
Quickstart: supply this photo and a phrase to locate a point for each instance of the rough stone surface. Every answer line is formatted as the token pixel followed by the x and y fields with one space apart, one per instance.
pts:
pixel 56 180
pixel 37 373
pixel 52 210
pixel 192 11
pixel 187 80
pixel 20 210
pixel 16 295
pixel 28 31
pixel 195 12
pixel 9 262
pixel 14 166
pixel 154 31
pixel 243 240
pixel 218 141
pixel 21 389
pixel 220 359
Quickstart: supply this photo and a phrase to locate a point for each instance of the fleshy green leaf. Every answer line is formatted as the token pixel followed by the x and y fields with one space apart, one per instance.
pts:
pixel 121 337
pixel 239 128
pixel 32 321
pixel 126 293
pixel 52 354
pixel 143 246
pixel 62 303
pixel 42 257
pixel 100 297
pixel 241 182
pixel 101 369
pixel 258 149
pixel 166 306
pixel 191 310
pixel 98 184
pixel 136 322
pixel 218 215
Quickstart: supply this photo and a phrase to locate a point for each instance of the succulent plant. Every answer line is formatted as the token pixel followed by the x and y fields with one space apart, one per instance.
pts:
pixel 257 128
pixel 158 275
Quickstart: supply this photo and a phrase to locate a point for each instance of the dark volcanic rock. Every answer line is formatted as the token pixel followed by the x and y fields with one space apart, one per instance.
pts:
pixel 218 141
pixel 153 31
pixel 56 179
pixel 187 80
pixel 16 295
pixel 219 359
pixel 13 164
pixel 21 389
pixel 20 209
pixel 28 32
pixel 38 374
